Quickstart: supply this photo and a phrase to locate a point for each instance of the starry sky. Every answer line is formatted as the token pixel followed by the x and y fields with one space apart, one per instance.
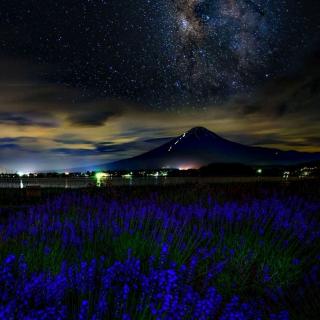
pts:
pixel 91 81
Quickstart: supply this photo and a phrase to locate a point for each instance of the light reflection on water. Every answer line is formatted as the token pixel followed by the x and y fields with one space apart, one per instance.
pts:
pixel 83 182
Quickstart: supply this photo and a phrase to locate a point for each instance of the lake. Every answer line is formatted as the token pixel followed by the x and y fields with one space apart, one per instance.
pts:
pixel 83 182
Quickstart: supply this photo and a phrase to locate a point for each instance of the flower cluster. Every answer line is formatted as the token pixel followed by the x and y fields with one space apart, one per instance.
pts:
pixel 83 256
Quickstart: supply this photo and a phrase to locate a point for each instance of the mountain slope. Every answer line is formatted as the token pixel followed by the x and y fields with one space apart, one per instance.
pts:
pixel 199 146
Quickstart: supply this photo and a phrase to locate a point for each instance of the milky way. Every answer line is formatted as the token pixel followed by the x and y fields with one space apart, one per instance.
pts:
pixel 162 54
pixel 223 47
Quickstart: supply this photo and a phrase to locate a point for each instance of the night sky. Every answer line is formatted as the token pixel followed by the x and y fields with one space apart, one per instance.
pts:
pixel 98 80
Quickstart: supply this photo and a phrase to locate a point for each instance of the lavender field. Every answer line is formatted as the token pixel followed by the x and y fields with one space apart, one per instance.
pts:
pixel 196 251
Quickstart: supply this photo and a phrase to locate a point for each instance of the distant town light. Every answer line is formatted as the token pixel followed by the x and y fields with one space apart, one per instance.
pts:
pixel 286 175
pixel 101 175
pixel 127 176
pixel 259 171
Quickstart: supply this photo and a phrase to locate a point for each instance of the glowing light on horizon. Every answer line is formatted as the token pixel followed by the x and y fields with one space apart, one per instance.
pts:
pixel 185 168
pixel 100 176
pixel 127 176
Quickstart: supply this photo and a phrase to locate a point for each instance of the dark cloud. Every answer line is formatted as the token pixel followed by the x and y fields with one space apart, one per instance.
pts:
pixel 109 147
pixel 18 139
pixel 71 139
pixel 249 109
pixel 74 152
pixel 24 119
pixel 93 118
pixel 102 148
pixel 159 140
pixel 8 140
pixel 113 148
pixel 273 140
pixel 266 142
pixel 11 146
pixel 142 131
pixel 313 140
pixel 282 109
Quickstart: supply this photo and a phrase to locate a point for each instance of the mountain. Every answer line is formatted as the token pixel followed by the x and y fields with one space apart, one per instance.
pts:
pixel 199 147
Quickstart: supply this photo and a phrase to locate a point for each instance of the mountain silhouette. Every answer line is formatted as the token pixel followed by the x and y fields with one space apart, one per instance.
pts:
pixel 199 147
